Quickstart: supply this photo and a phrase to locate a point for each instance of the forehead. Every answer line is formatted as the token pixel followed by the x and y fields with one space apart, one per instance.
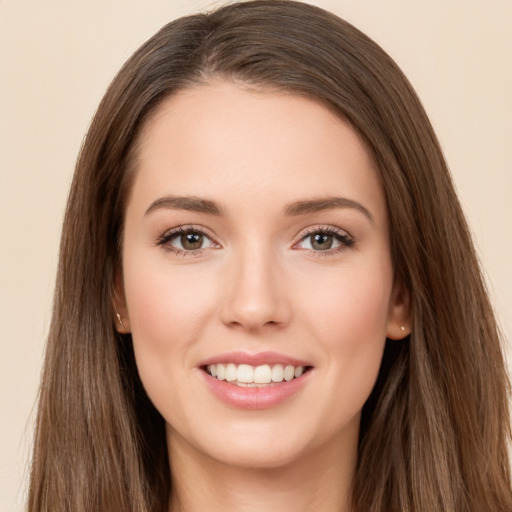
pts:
pixel 228 140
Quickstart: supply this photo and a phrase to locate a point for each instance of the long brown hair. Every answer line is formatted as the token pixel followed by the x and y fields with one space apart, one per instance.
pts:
pixel 434 431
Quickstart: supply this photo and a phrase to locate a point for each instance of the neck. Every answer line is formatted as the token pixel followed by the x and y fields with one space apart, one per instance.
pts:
pixel 320 480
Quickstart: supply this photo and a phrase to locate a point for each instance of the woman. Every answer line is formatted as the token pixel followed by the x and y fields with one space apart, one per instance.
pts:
pixel 267 294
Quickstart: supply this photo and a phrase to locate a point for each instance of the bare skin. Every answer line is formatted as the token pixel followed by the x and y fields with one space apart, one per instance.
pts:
pixel 257 225
pixel 319 481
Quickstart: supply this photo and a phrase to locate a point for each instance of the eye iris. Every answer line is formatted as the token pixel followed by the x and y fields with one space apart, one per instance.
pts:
pixel 191 241
pixel 321 241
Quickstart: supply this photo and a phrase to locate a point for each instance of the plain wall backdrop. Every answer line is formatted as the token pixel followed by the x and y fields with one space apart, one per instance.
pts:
pixel 56 60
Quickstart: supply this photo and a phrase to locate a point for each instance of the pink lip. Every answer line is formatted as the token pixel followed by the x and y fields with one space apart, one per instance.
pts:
pixel 255 398
pixel 254 359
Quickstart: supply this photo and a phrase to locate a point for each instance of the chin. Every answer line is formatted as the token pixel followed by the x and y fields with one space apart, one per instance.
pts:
pixel 258 445
pixel 258 456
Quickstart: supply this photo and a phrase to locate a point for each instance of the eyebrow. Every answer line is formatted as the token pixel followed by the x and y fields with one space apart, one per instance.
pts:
pixel 189 203
pixel 201 205
pixel 328 203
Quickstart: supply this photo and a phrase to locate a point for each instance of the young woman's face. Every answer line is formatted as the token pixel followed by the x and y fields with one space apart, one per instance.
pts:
pixel 257 275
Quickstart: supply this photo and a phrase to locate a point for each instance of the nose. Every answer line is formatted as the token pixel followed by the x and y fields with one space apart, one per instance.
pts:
pixel 256 295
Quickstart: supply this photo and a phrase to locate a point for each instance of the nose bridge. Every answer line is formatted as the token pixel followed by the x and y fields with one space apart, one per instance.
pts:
pixel 256 296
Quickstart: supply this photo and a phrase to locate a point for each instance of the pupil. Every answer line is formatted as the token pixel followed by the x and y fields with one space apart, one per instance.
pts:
pixel 192 241
pixel 322 241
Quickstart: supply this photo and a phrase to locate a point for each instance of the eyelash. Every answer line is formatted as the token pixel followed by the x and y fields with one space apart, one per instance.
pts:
pixel 168 236
pixel 345 240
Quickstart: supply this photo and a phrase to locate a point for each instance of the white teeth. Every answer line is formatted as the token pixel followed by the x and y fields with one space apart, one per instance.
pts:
pixel 221 372
pixel 277 373
pixel 289 373
pixel 245 373
pixel 231 373
pixel 254 376
pixel 262 374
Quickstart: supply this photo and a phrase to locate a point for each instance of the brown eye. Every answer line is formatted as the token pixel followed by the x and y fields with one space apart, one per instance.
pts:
pixel 321 241
pixel 326 240
pixel 191 241
pixel 186 241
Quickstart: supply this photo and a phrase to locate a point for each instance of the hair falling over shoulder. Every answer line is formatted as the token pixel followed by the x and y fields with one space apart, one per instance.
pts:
pixel 435 431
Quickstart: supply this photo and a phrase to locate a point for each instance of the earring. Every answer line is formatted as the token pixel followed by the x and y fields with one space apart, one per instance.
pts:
pixel 402 328
pixel 117 314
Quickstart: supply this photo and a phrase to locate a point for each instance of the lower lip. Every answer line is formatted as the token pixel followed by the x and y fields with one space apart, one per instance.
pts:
pixel 255 398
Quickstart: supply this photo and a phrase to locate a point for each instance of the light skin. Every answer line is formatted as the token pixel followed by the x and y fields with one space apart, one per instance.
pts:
pixel 282 246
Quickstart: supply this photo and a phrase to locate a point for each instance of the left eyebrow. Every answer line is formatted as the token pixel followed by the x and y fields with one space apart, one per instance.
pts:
pixel 328 203
pixel 189 203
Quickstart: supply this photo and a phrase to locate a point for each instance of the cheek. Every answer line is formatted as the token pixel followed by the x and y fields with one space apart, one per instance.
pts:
pixel 349 320
pixel 168 308
pixel 351 305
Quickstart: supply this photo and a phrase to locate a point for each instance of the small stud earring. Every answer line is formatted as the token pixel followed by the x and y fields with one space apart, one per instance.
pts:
pixel 117 314
pixel 402 328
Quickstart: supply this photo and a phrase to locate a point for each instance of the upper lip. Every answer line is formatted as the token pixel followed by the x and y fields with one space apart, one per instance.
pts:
pixel 254 359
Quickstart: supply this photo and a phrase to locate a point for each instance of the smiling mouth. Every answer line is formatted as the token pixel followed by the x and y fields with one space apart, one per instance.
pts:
pixel 245 375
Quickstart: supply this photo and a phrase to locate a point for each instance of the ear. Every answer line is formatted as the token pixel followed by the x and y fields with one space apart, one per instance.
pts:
pixel 121 318
pixel 399 314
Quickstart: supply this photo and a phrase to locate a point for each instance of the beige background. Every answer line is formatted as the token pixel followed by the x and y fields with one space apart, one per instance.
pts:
pixel 56 59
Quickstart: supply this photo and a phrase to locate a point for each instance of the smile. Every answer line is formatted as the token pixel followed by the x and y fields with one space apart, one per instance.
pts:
pixel 246 375
pixel 255 381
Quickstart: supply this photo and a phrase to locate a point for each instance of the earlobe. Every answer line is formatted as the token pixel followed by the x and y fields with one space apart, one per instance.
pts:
pixel 399 315
pixel 121 318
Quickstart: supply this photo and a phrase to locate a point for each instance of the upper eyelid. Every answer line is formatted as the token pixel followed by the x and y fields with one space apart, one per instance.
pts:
pixel 322 228
pixel 171 232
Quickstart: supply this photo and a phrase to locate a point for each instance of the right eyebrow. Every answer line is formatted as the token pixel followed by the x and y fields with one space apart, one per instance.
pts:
pixel 189 203
pixel 328 203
